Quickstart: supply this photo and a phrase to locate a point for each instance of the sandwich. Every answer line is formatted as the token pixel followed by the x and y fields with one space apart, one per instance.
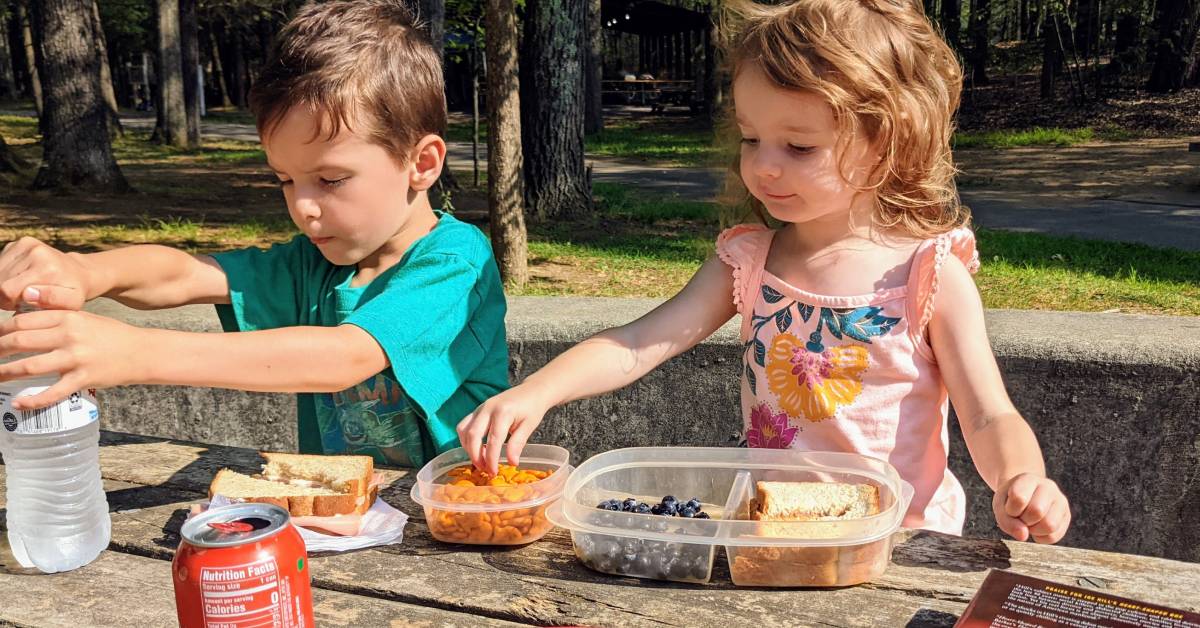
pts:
pixel 306 485
pixel 778 505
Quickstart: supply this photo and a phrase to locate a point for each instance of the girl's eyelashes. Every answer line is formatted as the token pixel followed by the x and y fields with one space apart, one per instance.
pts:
pixel 803 150
pixel 750 141
pixel 333 183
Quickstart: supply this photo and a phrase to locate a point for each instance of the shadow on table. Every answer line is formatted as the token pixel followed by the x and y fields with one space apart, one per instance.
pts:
pixel 927 618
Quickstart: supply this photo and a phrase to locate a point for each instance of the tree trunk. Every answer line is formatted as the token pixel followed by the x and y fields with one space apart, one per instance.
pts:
pixel 952 22
pixel 594 69
pixel 35 83
pixel 1175 22
pixel 556 182
pixel 981 17
pixel 234 62
pixel 77 152
pixel 218 71
pixel 170 77
pixel 9 161
pixel 106 82
pixel 1051 56
pixel 1127 44
pixel 8 82
pixel 190 54
pixel 1087 23
pixel 505 190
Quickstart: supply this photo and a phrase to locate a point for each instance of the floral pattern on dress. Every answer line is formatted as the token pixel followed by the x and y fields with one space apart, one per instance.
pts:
pixel 812 379
pixel 768 429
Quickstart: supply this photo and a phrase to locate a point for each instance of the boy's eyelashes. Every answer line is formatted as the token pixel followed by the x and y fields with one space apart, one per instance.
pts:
pixel 330 183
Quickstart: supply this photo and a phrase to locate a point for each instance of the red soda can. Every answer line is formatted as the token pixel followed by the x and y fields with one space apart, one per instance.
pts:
pixel 242 566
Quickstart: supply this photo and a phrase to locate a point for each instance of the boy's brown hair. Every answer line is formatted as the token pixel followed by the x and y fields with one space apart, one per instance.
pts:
pixel 364 64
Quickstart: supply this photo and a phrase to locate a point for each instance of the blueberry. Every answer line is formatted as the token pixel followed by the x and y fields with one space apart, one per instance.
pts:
pixel 644 509
pixel 629 504
pixel 644 565
pixel 694 503
pixel 669 500
pixel 657 509
pixel 702 515
pixel 688 512
pixel 670 509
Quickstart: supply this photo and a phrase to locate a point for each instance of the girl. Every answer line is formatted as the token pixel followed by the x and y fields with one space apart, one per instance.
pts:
pixel 859 316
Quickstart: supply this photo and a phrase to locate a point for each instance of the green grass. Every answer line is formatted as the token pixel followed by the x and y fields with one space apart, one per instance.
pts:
pixel 1037 136
pixel 620 201
pixel 680 142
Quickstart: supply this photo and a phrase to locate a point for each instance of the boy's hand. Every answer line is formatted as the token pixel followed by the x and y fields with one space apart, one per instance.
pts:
pixel 41 275
pixel 1032 505
pixel 85 350
pixel 512 415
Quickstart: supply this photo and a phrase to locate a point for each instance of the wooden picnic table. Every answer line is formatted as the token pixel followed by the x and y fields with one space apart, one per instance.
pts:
pixel 151 482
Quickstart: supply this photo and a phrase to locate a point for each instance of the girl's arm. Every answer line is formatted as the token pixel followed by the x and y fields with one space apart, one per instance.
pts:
pixel 607 361
pixel 90 351
pixel 1002 445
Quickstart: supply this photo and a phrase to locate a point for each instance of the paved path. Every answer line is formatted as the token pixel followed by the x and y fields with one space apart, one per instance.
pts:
pixel 1172 221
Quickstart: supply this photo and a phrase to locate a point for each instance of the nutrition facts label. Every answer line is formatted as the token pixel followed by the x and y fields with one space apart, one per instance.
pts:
pixel 247 596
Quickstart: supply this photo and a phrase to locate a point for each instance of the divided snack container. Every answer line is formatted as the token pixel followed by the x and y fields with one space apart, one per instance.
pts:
pixel 491 515
pixel 786 554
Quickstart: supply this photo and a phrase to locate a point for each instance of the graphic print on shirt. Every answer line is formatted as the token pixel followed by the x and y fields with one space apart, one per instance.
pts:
pixel 809 379
pixel 372 418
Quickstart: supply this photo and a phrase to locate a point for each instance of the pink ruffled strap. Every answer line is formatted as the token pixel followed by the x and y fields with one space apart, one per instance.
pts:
pixel 744 248
pixel 925 276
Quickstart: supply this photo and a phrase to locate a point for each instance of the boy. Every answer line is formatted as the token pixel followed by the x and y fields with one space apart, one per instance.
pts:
pixel 386 315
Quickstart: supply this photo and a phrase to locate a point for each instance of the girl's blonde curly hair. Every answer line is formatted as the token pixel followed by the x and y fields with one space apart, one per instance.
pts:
pixel 886 73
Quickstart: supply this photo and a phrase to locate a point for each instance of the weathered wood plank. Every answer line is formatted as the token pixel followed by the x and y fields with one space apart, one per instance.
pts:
pixel 932 578
pixel 124 590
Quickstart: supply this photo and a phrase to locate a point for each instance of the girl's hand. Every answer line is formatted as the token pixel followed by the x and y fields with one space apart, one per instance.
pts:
pixel 85 350
pixel 41 275
pixel 512 415
pixel 1032 505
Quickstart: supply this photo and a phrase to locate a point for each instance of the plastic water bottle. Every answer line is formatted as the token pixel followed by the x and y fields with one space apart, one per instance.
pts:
pixel 57 511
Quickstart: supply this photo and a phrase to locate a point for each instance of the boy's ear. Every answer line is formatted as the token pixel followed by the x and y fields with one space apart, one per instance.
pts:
pixel 428 157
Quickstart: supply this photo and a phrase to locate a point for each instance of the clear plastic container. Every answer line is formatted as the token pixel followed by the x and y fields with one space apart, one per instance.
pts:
pixel 811 553
pixel 491 515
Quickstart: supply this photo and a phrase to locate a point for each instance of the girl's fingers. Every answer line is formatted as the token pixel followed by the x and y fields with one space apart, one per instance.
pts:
pixel 1039 504
pixel 1019 492
pixel 1054 525
pixel 516 441
pixel 470 433
pixel 1010 525
pixel 498 433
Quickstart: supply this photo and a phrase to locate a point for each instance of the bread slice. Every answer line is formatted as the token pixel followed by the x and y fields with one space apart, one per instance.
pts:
pixel 813 501
pixel 306 485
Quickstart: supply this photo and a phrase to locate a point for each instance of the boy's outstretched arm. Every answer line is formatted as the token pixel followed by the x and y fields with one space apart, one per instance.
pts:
pixel 1002 445
pixel 607 361
pixel 143 277
pixel 90 351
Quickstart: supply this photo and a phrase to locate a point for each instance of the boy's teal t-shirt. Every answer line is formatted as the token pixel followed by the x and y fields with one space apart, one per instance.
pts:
pixel 438 314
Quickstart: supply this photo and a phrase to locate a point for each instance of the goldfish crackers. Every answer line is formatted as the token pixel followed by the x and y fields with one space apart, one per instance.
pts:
pixel 484 518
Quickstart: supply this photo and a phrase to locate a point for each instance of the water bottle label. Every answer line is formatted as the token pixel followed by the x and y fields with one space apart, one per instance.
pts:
pixel 75 411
